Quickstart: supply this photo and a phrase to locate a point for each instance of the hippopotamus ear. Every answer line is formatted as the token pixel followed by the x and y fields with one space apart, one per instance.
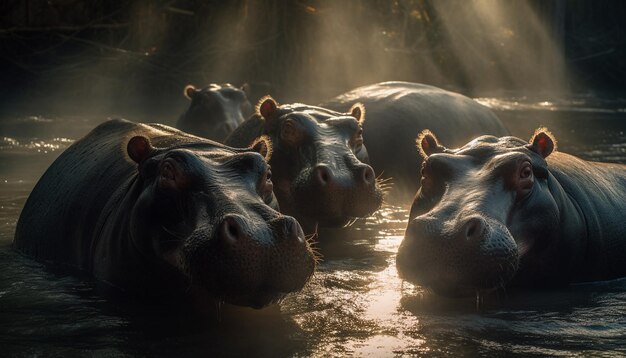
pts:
pixel 428 144
pixel 190 91
pixel 358 111
pixel 139 149
pixel 267 107
pixel 263 146
pixel 543 142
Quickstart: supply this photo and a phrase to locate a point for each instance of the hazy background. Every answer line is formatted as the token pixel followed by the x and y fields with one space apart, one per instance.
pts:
pixel 133 58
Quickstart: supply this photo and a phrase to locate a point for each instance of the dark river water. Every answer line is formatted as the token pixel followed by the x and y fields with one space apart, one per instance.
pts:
pixel 355 304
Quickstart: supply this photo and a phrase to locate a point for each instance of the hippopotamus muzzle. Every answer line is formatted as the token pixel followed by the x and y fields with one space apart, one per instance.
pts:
pixel 250 264
pixel 458 257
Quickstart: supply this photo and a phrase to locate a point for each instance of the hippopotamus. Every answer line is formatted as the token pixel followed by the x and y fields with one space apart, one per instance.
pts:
pixel 399 111
pixel 503 212
pixel 317 163
pixel 215 111
pixel 150 210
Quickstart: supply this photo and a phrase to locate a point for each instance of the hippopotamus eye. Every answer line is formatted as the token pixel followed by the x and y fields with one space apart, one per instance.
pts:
pixel 266 187
pixel 167 171
pixel 356 141
pixel 292 133
pixel 526 171
pixel 524 183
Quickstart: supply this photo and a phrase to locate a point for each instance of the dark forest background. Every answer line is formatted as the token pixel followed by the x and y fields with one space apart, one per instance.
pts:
pixel 79 56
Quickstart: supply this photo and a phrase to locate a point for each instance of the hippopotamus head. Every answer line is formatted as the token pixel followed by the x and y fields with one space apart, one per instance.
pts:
pixel 215 111
pixel 207 212
pixel 480 210
pixel 318 163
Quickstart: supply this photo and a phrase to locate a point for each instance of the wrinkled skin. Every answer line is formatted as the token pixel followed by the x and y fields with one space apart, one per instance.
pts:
pixel 318 162
pixel 399 111
pixel 215 111
pixel 502 212
pixel 154 211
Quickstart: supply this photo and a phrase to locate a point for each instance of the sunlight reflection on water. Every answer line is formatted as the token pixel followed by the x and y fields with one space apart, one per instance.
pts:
pixel 12 145
pixel 583 105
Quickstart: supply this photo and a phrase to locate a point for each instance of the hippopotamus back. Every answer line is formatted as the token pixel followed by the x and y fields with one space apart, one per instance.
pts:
pixel 397 111
pixel 599 191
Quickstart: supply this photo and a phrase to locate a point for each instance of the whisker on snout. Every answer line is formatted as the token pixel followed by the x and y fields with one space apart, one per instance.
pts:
pixel 310 240
pixel 385 192
pixel 384 180
pixel 385 184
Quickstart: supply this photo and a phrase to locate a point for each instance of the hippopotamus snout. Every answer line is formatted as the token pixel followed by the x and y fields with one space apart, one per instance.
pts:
pixel 457 255
pixel 337 194
pixel 251 262
pixel 236 230
pixel 324 176
pixel 471 231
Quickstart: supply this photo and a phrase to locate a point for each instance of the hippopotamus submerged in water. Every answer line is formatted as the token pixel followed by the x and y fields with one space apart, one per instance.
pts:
pixel 503 212
pixel 155 211
pixel 398 111
pixel 215 111
pixel 317 162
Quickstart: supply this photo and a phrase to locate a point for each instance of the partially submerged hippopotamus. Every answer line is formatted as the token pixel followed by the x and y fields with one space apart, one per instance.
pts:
pixel 503 211
pixel 215 111
pixel 152 210
pixel 398 111
pixel 317 162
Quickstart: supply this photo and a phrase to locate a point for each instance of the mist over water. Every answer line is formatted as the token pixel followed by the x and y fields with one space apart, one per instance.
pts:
pixel 333 46
pixel 296 51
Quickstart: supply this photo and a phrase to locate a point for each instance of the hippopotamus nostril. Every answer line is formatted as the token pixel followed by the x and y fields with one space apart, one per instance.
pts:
pixel 288 229
pixel 474 229
pixel 368 175
pixel 422 227
pixel 322 175
pixel 293 229
pixel 230 230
